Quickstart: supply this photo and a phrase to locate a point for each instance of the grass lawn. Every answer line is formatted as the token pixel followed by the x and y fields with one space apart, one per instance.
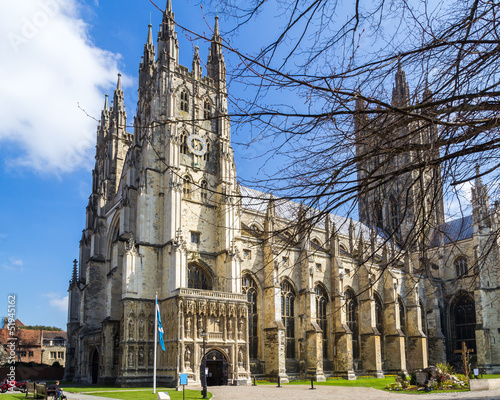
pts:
pixel 131 393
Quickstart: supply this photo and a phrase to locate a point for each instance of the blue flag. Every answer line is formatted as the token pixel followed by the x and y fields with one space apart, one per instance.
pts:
pixel 160 328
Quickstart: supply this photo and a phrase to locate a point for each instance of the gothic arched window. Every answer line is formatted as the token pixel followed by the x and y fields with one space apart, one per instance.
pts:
pixel 288 317
pixel 379 322
pixel 352 321
pixel 395 217
pixel 204 191
pixel 184 104
pixel 184 146
pixel 422 318
pixel 402 315
pixel 198 278
pixel 321 304
pixel 250 288
pixel 461 266
pixel 206 156
pixel 379 219
pixel 463 319
pixel 207 110
pixel 186 188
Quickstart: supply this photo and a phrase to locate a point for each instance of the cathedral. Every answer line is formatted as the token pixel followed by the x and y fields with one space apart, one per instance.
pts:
pixel 241 288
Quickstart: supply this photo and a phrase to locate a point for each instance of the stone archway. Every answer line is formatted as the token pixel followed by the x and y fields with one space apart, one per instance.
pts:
pixel 95 367
pixel 217 366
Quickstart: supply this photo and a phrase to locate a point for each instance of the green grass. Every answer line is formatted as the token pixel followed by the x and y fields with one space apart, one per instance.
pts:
pixel 490 377
pixel 15 396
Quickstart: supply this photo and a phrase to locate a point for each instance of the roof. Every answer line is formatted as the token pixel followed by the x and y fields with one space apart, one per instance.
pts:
pixel 255 200
pixel 453 231
pixel 51 335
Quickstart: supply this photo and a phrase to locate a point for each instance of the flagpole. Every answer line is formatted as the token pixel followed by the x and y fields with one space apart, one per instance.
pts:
pixel 156 343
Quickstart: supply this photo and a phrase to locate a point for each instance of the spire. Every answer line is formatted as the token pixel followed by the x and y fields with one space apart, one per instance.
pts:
pixel 74 277
pixel 150 34
pixel 169 6
pixel 216 28
pixel 168 45
pixel 400 91
pixel 216 66
pixel 119 83
pixel 106 106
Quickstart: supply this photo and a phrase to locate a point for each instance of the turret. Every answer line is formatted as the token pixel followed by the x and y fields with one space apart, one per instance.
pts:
pixel 216 66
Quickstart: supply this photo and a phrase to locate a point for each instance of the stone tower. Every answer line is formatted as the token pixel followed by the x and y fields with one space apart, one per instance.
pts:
pixel 401 191
pixel 162 217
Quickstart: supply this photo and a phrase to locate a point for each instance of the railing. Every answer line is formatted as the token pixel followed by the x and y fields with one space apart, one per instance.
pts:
pixel 210 294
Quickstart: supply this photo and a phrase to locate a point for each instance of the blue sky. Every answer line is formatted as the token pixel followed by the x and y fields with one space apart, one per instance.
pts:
pixel 60 58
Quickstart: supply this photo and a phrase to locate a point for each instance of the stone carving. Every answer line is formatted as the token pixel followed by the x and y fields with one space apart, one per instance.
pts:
pixel 200 325
pixel 213 308
pixel 190 307
pixel 240 328
pixel 202 307
pixel 140 358
pixel 187 358
pixel 222 309
pixel 131 361
pixel 131 330
pixel 150 357
pixel 151 331
pixel 231 312
pixel 141 327
pixel 188 327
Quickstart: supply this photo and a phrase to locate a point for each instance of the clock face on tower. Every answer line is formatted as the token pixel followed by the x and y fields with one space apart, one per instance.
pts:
pixel 196 144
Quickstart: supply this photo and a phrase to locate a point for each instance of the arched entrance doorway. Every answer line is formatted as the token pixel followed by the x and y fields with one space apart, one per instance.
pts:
pixel 217 366
pixel 95 366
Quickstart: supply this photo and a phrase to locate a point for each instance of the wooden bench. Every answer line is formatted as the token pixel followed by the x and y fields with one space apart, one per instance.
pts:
pixel 41 392
pixel 30 390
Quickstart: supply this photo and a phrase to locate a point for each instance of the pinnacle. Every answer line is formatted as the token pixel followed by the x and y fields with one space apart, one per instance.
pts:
pixel 106 106
pixel 169 6
pixel 119 83
pixel 216 28
pixel 150 34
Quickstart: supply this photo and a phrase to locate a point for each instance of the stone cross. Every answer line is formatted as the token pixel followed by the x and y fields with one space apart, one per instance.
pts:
pixel 464 351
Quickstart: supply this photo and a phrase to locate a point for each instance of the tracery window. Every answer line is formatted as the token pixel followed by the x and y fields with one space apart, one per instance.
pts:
pixel 288 317
pixel 198 278
pixel 352 321
pixel 379 219
pixel 321 305
pixel 206 156
pixel 464 322
pixel 379 323
pixel 422 318
pixel 184 146
pixel 249 287
pixel 204 191
pixel 394 215
pixel 402 315
pixel 184 105
pixel 207 110
pixel 186 189
pixel 461 265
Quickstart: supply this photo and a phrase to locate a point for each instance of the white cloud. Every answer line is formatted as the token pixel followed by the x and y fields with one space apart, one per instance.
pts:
pixel 458 201
pixel 49 66
pixel 58 302
pixel 14 264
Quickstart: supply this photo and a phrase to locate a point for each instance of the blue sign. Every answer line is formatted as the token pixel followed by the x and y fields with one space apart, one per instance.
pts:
pixel 184 379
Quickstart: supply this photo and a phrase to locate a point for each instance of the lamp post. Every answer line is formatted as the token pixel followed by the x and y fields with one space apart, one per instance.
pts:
pixel 204 365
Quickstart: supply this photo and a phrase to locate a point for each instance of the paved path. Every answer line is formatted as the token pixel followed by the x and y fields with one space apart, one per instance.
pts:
pixel 299 392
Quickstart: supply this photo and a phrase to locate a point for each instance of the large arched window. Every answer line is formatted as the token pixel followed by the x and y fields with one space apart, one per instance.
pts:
pixel 379 219
pixel 184 104
pixel 423 318
pixel 249 287
pixel 206 156
pixel 394 217
pixel 184 146
pixel 204 191
pixel 186 189
pixel 379 323
pixel 288 316
pixel 461 266
pixel 463 322
pixel 198 278
pixel 321 304
pixel 402 315
pixel 352 321
pixel 207 110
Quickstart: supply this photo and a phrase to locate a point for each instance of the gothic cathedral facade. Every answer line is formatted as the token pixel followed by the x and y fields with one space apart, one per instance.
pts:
pixel 166 216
